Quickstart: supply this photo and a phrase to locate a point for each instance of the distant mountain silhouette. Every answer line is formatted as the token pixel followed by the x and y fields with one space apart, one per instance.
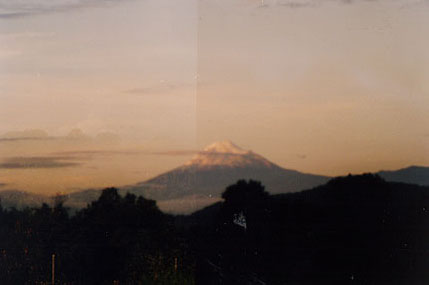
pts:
pixel 413 174
pixel 200 181
pixel 21 199
pixel 220 164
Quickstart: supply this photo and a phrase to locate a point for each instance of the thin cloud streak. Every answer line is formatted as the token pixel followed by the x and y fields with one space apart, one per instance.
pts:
pixel 12 15
pixel 40 135
pixel 177 152
pixel 16 9
pixel 33 162
pixel 296 4
pixel 90 153
pixel 27 139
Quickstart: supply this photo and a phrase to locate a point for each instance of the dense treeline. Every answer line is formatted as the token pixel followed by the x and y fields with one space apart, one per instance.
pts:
pixel 355 229
pixel 126 239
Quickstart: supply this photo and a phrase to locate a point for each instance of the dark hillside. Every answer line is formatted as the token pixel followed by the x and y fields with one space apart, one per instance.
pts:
pixel 355 229
pixel 352 230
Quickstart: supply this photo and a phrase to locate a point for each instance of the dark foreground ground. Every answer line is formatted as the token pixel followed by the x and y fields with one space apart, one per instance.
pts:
pixel 353 230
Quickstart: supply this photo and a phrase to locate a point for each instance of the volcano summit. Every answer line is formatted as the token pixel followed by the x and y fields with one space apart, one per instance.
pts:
pixel 209 172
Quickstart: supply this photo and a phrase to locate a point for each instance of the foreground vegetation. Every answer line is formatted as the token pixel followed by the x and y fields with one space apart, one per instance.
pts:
pixel 126 239
pixel 356 229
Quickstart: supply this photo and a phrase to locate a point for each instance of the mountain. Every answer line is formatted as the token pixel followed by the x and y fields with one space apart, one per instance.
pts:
pixel 200 181
pixel 220 164
pixel 20 199
pixel 413 174
pixel 81 199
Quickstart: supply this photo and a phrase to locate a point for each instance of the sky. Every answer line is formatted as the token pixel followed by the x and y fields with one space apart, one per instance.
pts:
pixel 97 93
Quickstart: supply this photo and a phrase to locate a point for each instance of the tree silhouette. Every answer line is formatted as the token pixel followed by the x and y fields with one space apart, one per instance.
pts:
pixel 245 204
pixel 352 230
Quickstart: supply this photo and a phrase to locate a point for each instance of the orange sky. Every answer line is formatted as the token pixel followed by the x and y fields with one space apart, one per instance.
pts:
pixel 326 87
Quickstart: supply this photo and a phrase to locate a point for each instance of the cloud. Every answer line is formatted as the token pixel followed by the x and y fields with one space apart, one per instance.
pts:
pixel 6 15
pixel 74 135
pixel 32 162
pixel 10 9
pixel 29 134
pixel 296 4
pixel 293 4
pixel 91 153
pixel 2 184
pixel 25 139
pixel 176 152
pixel 36 133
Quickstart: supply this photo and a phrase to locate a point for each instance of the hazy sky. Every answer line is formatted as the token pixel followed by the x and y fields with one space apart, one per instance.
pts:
pixel 321 86
pixel 344 84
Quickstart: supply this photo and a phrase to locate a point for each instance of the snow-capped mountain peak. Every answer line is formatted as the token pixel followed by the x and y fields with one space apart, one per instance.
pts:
pixel 211 170
pixel 227 154
pixel 225 147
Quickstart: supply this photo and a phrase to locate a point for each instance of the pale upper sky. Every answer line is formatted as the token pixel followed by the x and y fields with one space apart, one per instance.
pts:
pixel 322 86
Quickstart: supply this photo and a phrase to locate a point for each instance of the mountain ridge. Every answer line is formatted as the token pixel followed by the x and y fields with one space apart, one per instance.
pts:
pixel 412 174
pixel 200 181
